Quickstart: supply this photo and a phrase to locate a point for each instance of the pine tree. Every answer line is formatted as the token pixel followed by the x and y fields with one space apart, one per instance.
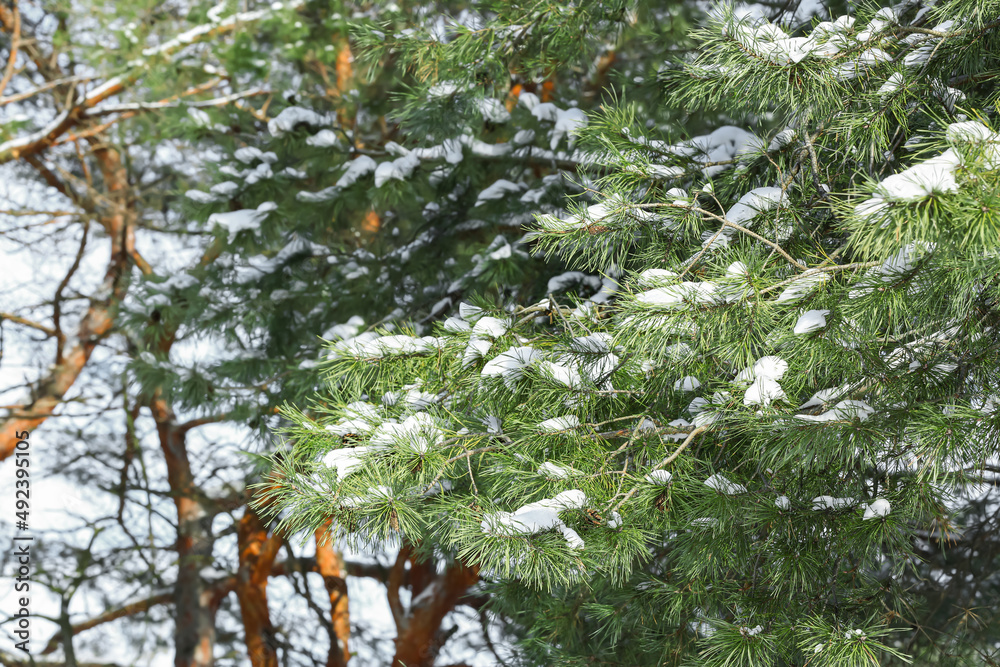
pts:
pixel 187 85
pixel 334 207
pixel 760 443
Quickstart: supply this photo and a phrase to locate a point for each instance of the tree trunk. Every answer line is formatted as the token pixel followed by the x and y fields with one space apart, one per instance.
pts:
pixel 417 642
pixel 257 554
pixel 195 603
pixel 330 565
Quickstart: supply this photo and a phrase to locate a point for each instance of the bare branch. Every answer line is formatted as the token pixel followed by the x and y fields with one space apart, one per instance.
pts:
pixel 130 609
pixel 28 323
pixel 75 114
pixel 15 43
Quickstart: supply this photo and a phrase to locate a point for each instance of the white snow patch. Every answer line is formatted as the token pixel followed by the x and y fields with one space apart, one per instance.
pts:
pixel 659 477
pixel 936 175
pixel 289 118
pixel 556 424
pixel 419 432
pixel 755 202
pixel 345 460
pixel 399 169
pixel 538 517
pixel 723 485
pixel 510 364
pixel 687 383
pixel 565 374
pixel 498 190
pixel 493 110
pixel 763 391
pixel 492 327
pixel 324 139
pixel 677 296
pixel 802 285
pixel 247 219
pixel 771 367
pixel 842 411
pixel 877 510
pixel 357 168
pixel 831 503
pixel 554 470
pixel 809 321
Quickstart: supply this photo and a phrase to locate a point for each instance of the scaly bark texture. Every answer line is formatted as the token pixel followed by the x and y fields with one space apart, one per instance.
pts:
pixel 195 603
pixel 418 628
pixel 257 551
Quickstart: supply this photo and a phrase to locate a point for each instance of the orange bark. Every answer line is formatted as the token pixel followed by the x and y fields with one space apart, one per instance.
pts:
pixel 513 96
pixel 330 565
pixel 344 68
pixel 195 603
pixel 418 628
pixel 602 66
pixel 257 551
pixel 371 224
pixel 50 391
pixel 15 39
pixel 548 91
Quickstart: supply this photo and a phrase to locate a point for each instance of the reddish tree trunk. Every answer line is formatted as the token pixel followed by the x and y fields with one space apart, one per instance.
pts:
pixel 195 603
pixel 417 630
pixel 257 553
pixel 330 565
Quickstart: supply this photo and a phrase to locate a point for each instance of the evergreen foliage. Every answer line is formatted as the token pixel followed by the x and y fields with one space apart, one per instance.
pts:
pixel 258 187
pixel 356 192
pixel 367 195
pixel 756 443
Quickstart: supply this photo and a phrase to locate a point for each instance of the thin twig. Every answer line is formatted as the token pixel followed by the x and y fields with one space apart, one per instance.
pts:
pixel 464 455
pixel 665 462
